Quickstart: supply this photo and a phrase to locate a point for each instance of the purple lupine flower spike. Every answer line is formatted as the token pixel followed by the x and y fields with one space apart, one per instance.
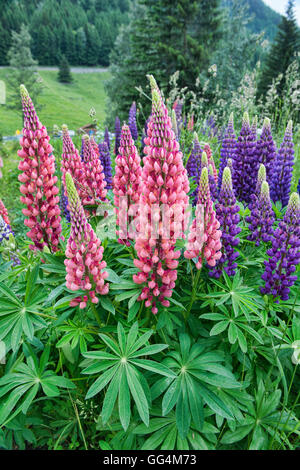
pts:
pixel 117 135
pixel 193 167
pixel 64 204
pixel 227 214
pixel 266 149
pixel 228 149
pixel 283 168
pixel 245 163
pixel 178 105
pixel 212 184
pixel 5 230
pixel 106 163
pixel 132 121
pixel 262 217
pixel 284 255
pixel 106 138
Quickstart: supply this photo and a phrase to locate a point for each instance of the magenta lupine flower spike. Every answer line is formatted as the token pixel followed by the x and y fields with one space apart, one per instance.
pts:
pixel 283 168
pixel 266 149
pixel 284 255
pixel 228 149
pixel 39 190
pixel 126 184
pixel 245 164
pixel 71 161
pixel 204 237
pixel 262 217
pixel 94 178
pixel 164 182
pixel 4 213
pixel 84 253
pixel 227 214
pixel 211 161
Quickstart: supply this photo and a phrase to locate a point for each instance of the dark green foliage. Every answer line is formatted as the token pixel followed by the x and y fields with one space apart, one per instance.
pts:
pixel 64 73
pixel 161 39
pixel 82 31
pixel 23 67
pixel 282 53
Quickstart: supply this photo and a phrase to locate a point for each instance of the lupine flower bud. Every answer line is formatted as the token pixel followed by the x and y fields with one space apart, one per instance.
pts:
pixel 126 183
pixel 39 190
pixel 227 214
pixel 283 168
pixel 164 181
pixel 254 127
pixel 132 121
pixel 204 237
pixel 284 255
pixel 84 253
pixel 262 217
pixel 211 161
pixel 71 161
pixel 193 167
pixel 4 213
pixel 245 163
pixel 94 179
pixel 266 149
pixel 228 149
pixel 106 163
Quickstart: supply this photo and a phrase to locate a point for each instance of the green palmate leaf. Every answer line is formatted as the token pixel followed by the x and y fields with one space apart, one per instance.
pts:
pixel 242 340
pixel 183 415
pixel 171 397
pixel 138 394
pixel 230 437
pixel 214 402
pixel 153 367
pixel 232 333
pixel 111 396
pixel 124 401
pixel 107 304
pixel 111 344
pixel 195 403
pixel 148 350
pixel 101 382
pixel 219 327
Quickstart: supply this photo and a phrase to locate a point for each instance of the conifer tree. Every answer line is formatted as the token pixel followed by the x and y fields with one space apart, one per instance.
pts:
pixel 282 53
pixel 23 68
pixel 64 73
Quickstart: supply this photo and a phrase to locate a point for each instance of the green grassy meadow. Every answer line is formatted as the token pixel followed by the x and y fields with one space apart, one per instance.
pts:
pixel 61 103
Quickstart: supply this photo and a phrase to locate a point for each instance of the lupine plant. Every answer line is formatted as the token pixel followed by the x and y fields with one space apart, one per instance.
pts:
pixel 177 330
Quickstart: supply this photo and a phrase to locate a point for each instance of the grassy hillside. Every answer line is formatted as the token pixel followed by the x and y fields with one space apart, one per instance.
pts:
pixel 69 104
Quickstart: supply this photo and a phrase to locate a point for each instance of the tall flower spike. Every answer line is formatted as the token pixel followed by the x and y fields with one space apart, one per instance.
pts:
pixel 254 127
pixel 212 184
pixel 211 161
pixel 245 165
pixel 266 149
pixel 106 163
pixel 204 237
pixel 4 213
pixel 71 161
pixel 39 190
pixel 177 106
pixel 262 217
pixel 117 135
pixel 94 178
pixel 284 255
pixel 106 138
pixel 283 168
pixel 228 149
pixel 126 184
pixel 164 181
pixel 227 214
pixel 132 121
pixel 84 253
pixel 64 204
pixel 193 167
pixel 174 123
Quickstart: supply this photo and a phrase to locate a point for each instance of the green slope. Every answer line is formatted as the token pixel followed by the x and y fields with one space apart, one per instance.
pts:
pixel 61 104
